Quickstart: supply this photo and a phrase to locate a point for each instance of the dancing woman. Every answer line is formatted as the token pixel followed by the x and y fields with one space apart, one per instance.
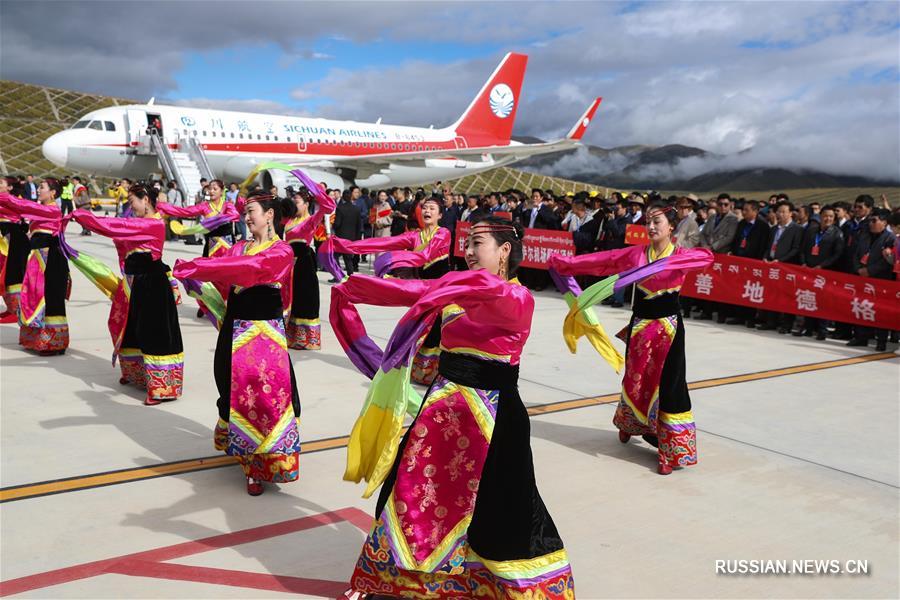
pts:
pixel 655 402
pixel 417 254
pixel 259 407
pixel 143 320
pixel 43 327
pixel 13 256
pixel 459 513
pixel 303 328
pixel 216 223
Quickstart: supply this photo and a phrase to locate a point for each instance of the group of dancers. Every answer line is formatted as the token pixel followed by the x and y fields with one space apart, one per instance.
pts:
pixel 458 512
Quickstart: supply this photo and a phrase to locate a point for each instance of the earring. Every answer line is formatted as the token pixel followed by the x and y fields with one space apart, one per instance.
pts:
pixel 503 269
pixel 270 228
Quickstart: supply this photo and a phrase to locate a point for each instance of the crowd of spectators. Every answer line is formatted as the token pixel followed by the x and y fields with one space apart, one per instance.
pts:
pixel 857 238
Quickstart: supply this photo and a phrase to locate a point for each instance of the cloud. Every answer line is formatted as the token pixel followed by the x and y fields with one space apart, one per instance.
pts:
pixel 802 84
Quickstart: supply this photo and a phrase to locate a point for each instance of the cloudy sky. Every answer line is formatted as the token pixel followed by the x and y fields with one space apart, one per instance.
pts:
pixel 805 84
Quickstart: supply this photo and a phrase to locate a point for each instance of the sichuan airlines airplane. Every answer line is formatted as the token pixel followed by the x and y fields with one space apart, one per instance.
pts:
pixel 114 142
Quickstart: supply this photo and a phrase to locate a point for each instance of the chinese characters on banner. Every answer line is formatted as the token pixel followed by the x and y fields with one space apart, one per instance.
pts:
pixel 636 235
pixel 537 246
pixel 798 290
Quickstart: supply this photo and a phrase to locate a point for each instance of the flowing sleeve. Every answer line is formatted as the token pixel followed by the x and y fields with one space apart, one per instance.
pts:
pixel 136 229
pixel 306 229
pixel 581 320
pixel 597 263
pixel 438 247
pixel 26 209
pixel 183 212
pixel 270 266
pixel 348 325
pixel 335 245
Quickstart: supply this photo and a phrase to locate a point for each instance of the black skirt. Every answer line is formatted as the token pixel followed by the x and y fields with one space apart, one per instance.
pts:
pixel 18 252
pixel 56 274
pixel 305 303
pixel 152 323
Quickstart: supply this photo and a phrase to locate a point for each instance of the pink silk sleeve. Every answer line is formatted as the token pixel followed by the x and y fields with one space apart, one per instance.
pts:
pixel 598 263
pixel 404 241
pixel 348 325
pixel 138 230
pixel 273 265
pixel 183 212
pixel 29 210
pixel 438 247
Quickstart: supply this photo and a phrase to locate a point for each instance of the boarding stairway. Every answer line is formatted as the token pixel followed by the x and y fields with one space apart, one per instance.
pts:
pixel 186 165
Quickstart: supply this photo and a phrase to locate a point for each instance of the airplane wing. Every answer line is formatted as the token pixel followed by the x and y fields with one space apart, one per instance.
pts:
pixel 503 155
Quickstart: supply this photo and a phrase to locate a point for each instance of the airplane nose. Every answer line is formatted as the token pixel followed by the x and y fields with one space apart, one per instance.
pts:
pixel 56 150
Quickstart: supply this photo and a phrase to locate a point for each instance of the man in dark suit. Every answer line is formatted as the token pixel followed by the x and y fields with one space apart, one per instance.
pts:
pixel 783 246
pixel 749 241
pixel 854 230
pixel 870 260
pixel 347 226
pixel 821 249
pixel 717 235
pixel 30 187
pixel 539 215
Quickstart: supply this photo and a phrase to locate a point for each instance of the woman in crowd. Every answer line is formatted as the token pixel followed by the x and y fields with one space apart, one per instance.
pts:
pixel 381 211
pixel 143 320
pixel 459 513
pixel 13 254
pixel 417 254
pixel 43 327
pixel 303 328
pixel 259 407
pixel 216 223
pixel 655 402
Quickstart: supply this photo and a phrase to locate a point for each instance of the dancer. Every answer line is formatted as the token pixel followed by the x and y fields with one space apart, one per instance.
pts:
pixel 459 514
pixel 216 223
pixel 259 407
pixel 303 328
pixel 13 255
pixel 143 319
pixel 655 402
pixel 43 327
pixel 416 254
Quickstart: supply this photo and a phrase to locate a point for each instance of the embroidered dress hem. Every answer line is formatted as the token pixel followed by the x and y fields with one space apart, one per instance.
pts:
pixel 52 337
pixel 465 574
pixel 676 433
pixel 162 376
pixel 425 365
pixel 303 334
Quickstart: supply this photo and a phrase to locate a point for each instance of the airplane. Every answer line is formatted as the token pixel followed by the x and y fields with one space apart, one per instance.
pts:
pixel 115 141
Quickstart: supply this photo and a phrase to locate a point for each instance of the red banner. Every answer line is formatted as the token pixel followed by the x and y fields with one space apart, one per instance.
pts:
pixel 537 245
pixel 636 235
pixel 798 290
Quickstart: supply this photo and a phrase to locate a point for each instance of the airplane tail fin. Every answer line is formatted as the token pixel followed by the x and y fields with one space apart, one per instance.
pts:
pixel 489 119
pixel 581 126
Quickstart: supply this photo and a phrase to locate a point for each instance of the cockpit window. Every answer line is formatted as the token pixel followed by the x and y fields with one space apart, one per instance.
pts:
pixel 110 126
pixel 96 125
pixel 80 125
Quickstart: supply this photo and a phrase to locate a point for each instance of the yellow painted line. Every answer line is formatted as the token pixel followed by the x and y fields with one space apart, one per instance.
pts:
pixel 83 482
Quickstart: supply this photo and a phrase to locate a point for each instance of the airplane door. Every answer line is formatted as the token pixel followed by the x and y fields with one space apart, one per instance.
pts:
pixel 137 126
pixel 301 144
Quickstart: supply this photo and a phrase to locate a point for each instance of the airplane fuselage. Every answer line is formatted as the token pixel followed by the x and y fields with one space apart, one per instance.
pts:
pixel 103 143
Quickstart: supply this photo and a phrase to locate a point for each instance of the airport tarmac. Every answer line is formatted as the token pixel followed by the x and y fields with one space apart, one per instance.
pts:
pixel 103 497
